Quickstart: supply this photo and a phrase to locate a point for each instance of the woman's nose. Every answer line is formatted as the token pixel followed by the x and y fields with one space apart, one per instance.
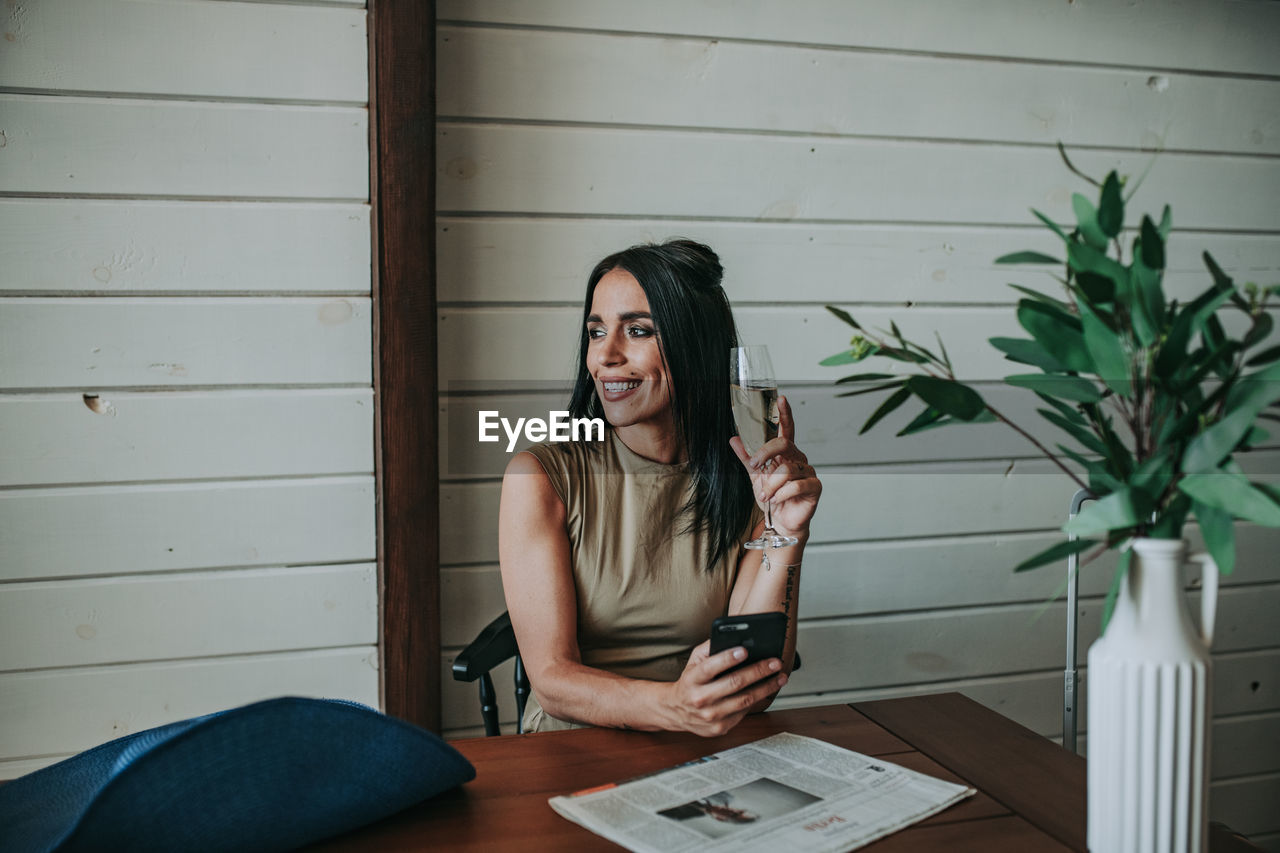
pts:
pixel 608 353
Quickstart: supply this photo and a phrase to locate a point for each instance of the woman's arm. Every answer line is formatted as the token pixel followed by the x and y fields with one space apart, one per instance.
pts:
pixel 537 579
pixel 779 472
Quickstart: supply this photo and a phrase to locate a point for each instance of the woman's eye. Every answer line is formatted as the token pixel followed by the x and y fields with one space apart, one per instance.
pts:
pixel 595 332
pixel 639 331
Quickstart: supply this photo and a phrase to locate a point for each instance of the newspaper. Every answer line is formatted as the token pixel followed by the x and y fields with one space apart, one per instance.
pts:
pixel 784 792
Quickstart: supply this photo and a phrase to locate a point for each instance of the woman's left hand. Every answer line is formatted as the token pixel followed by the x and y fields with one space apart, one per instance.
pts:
pixel 781 473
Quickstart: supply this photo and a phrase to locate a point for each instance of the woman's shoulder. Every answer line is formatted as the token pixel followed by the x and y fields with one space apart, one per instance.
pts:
pixel 567 457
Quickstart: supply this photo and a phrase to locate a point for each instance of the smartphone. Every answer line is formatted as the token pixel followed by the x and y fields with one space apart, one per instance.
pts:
pixel 761 634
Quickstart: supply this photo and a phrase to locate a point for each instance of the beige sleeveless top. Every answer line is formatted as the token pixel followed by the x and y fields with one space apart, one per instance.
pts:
pixel 645 597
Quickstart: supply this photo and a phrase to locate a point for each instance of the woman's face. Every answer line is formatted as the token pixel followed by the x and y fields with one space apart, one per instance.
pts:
pixel 623 355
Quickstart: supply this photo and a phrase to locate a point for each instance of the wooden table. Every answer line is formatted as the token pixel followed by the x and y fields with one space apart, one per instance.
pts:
pixel 1031 792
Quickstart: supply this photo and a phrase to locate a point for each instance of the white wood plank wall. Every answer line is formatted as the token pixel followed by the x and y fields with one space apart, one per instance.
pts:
pixel 878 155
pixel 186 407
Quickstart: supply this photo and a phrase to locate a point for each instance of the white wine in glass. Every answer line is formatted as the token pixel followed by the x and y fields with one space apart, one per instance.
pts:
pixel 753 393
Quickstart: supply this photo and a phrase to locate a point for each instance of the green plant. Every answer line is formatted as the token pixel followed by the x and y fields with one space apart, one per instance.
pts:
pixel 1153 398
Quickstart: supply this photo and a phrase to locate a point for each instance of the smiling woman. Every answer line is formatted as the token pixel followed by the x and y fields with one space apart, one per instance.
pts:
pixel 617 555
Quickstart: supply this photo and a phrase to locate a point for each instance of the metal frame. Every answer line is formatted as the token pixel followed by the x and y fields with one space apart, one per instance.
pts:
pixel 1070 675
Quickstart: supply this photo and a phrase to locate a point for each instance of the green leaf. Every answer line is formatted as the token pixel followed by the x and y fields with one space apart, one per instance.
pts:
pixel 1265 357
pixel 1166 223
pixel 1025 351
pixel 1058 332
pixel 1085 258
pixel 930 417
pixel 847 357
pixel 896 399
pixel 1042 297
pixel 1114 512
pixel 1173 518
pixel 864 377
pixel 1110 361
pixel 1087 222
pixel 1122 568
pixel 1209 448
pixel 1057 229
pixel 844 315
pixel 952 398
pixel 1220 278
pixel 1154 474
pixel 1087 440
pixel 1232 493
pixel 1071 413
pixel 1111 206
pixel 1063 387
pixel 1098 288
pixel 1028 258
pixel 872 389
pixel 1152 245
pixel 1054 553
pixel 1146 298
pixel 1256 391
pixel 919 424
pixel 898 354
pixel 1187 323
pixel 1219 535
pixel 1261 329
pixel 942 348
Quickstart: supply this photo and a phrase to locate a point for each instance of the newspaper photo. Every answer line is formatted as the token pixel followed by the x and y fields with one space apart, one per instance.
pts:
pixel 784 792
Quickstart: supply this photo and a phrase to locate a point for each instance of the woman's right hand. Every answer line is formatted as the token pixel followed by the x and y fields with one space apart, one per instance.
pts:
pixel 708 702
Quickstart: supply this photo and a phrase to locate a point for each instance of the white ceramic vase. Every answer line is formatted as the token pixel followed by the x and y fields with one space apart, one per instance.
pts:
pixel 1150 682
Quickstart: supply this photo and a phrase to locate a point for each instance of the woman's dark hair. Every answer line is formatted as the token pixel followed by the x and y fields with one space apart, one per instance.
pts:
pixel 681 280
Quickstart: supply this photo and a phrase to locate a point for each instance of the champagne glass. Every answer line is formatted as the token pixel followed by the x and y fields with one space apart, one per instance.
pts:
pixel 753 393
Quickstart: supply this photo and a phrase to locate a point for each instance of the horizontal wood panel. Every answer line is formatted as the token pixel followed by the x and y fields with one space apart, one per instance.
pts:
pixel 880 657
pixel 800 338
pixel 102 247
pixel 541 75
pixel 1216 36
pixel 200 614
pixel 138 341
pixel 589 171
pixel 827 428
pixel 893 577
pixel 46 713
pixel 1247 805
pixel 1035 699
pixel 48 439
pixel 1032 699
pixel 485 259
pixel 902 649
pixel 1246 745
pixel 177 341
pixel 181 148
pixel 880 503
pixel 482 342
pixel 281 52
pixel 106 530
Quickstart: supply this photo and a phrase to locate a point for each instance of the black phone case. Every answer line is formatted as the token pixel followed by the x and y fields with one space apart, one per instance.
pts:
pixel 761 634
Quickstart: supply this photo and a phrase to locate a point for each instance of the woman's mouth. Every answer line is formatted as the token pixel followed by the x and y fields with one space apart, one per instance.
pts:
pixel 616 390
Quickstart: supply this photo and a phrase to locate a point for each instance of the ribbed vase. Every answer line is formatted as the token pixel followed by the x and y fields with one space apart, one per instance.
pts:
pixel 1150 682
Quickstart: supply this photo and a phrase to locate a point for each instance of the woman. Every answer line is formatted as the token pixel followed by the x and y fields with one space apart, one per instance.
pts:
pixel 617 555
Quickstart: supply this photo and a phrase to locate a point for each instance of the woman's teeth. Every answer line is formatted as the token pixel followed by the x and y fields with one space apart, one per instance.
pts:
pixel 615 387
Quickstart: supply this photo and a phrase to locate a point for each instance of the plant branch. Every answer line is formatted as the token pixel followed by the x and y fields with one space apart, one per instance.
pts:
pixel 1050 455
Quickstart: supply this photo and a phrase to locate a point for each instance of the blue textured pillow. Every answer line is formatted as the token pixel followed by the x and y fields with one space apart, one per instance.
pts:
pixel 273 775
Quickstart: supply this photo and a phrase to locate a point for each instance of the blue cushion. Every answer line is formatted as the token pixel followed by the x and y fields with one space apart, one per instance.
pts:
pixel 273 775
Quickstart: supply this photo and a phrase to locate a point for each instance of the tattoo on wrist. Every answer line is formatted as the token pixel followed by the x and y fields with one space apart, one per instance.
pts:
pixel 789 592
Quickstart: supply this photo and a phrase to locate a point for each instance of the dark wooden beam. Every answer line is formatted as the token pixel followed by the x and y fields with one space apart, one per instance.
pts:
pixel 402 102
